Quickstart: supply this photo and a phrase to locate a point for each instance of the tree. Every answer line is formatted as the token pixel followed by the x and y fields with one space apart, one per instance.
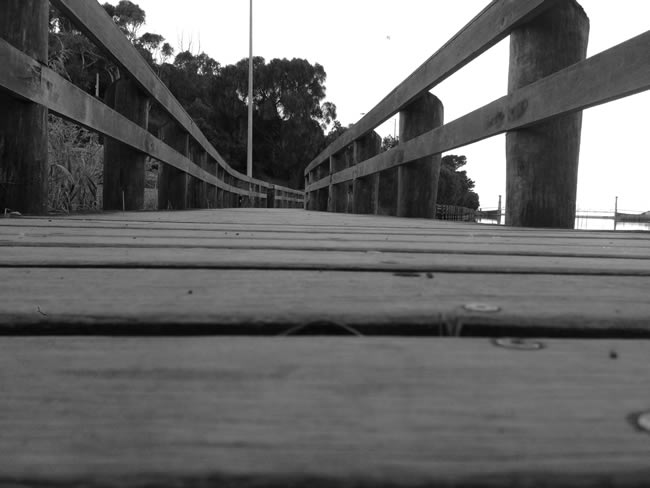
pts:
pixel 454 187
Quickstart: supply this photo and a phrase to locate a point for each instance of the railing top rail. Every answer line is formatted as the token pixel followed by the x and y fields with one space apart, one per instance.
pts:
pixel 91 19
pixel 490 26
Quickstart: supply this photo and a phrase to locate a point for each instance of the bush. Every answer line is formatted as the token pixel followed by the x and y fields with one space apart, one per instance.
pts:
pixel 75 167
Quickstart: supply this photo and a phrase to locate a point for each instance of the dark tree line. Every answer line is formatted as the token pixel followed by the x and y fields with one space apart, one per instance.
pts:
pixel 291 118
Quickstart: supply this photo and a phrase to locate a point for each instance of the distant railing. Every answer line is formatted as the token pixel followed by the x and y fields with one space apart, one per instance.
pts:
pixel 550 82
pixel 194 175
pixel 455 213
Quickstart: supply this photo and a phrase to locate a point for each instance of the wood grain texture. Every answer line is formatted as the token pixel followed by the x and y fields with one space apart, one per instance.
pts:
pixel 583 85
pixel 491 25
pixel 344 412
pixel 174 300
pixel 251 269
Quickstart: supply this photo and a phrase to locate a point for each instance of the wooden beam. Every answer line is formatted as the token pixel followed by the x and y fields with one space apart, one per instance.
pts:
pixel 490 26
pixel 417 181
pixel 542 161
pixel 23 125
pixel 365 191
pixel 124 172
pixel 619 72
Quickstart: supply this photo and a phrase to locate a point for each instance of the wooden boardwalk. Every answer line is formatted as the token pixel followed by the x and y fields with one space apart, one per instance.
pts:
pixel 252 270
pixel 192 405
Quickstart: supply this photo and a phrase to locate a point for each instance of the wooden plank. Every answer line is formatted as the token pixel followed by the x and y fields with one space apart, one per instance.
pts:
pixel 94 22
pixel 338 412
pixel 22 234
pixel 34 82
pixel 583 85
pixel 132 300
pixel 490 26
pixel 242 258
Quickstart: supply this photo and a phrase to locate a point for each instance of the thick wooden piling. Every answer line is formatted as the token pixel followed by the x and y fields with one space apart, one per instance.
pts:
pixel 417 185
pixel 124 173
pixel 197 189
pixel 172 182
pixel 542 161
pixel 339 194
pixel 365 191
pixel 23 125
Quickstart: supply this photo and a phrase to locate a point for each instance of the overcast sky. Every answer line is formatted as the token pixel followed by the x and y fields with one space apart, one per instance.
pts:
pixel 368 47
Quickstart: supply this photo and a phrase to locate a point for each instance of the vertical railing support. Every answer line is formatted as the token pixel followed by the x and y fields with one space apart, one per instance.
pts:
pixel 321 196
pixel 23 125
pixel 196 188
pixel 211 191
pixel 365 191
pixel 172 182
pixel 124 166
pixel 417 185
pixel 338 194
pixel 542 161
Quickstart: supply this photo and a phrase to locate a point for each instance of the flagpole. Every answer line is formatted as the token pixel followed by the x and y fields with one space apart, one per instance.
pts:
pixel 249 165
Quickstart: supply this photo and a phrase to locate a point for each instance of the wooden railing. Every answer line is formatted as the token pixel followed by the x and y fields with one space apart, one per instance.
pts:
pixel 194 175
pixel 550 82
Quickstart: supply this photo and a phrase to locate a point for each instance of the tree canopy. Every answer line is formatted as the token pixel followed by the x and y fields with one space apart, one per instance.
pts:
pixel 454 187
pixel 292 120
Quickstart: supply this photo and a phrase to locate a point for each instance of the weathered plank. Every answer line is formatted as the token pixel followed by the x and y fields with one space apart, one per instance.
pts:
pixel 130 300
pixel 333 412
pixel 126 256
pixel 621 71
pixel 494 23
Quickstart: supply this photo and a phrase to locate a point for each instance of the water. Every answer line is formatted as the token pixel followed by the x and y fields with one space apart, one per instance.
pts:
pixel 587 223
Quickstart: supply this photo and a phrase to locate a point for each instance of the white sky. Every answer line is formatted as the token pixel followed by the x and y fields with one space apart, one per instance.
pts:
pixel 368 47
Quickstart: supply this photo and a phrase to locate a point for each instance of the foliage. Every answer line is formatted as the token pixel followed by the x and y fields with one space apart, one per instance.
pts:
pixel 76 160
pixel 389 142
pixel 291 116
pixel 454 187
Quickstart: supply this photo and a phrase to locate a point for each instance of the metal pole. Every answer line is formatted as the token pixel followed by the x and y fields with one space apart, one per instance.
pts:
pixel 249 165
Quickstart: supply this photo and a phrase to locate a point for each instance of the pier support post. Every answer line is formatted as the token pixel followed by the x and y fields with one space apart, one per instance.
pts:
pixel 172 182
pixel 322 196
pixel 365 191
pixel 338 200
pixel 124 166
pixel 23 125
pixel 196 188
pixel 542 161
pixel 417 186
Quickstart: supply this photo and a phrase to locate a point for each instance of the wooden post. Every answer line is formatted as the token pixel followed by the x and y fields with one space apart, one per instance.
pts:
pixel 387 193
pixel 417 182
pixel 270 197
pixel 338 201
pixel 542 161
pixel 211 190
pixel 220 192
pixel 172 182
pixel 197 189
pixel 500 211
pixel 365 191
pixel 123 166
pixel 23 125
pixel 321 196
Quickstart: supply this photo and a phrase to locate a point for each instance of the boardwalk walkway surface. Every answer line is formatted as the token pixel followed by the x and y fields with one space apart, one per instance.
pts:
pixel 252 270
pixel 179 409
